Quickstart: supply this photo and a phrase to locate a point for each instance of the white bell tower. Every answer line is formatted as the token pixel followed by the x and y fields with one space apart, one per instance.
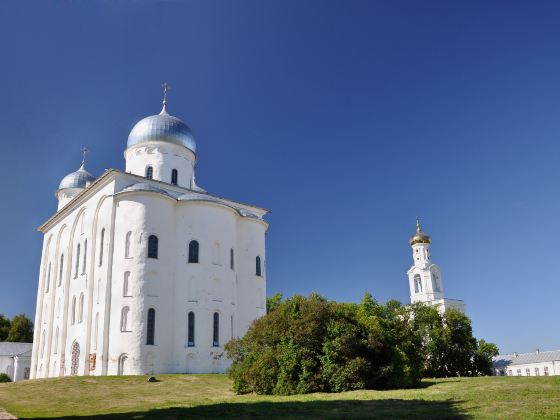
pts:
pixel 424 277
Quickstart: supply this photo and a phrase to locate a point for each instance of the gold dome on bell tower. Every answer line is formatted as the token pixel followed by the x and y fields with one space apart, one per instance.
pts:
pixel 420 237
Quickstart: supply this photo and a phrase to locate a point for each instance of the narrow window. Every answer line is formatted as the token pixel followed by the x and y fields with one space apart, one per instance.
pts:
pixel 546 371
pixel 81 308
pixel 43 344
pixel 151 326
pixel 85 257
pixel 528 372
pixel 61 269
pixel 518 372
pixel 190 330
pixel 48 279
pixel 216 254
pixel 231 259
pixel 216 330
pixel 56 342
pixel 149 172
pixel 537 372
pixel 193 252
pixel 96 331
pixel 101 247
pixel 417 284
pixel 125 283
pixel 258 271
pixel 124 318
pixel 73 318
pixel 153 246
pixel 127 245
pixel 77 266
pixel 174 175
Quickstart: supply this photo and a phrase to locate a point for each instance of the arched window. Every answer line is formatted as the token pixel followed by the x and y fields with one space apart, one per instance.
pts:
pixel 231 259
pixel 124 318
pixel 216 254
pixel 85 257
pixel 77 266
pixel 81 308
pixel 47 286
pixel 149 172
pixel 258 270
pixel 193 251
pixel 127 245
pixel 98 289
pixel 174 176
pixel 153 246
pixel 417 284
pixel 43 344
pixel 216 330
pixel 101 246
pixel 122 368
pixel 73 317
pixel 151 327
pixel 96 331
pixel 61 269
pixel 437 285
pixel 56 342
pixel 190 330
pixel 125 284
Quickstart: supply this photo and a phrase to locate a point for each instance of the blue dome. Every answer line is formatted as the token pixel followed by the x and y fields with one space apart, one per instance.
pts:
pixel 162 127
pixel 79 179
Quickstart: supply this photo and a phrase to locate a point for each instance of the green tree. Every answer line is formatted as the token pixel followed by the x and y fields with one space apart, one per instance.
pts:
pixel 4 327
pixel 482 361
pixel 272 302
pixel 21 330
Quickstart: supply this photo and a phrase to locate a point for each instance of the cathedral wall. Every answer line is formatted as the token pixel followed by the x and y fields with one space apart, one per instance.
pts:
pixel 251 289
pixel 62 322
pixel 163 157
pixel 79 315
pixel 206 287
pixel 150 284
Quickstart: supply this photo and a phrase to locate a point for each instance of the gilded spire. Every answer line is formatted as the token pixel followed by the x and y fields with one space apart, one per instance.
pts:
pixel 420 237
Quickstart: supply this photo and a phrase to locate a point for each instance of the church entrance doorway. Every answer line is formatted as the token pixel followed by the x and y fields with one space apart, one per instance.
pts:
pixel 75 358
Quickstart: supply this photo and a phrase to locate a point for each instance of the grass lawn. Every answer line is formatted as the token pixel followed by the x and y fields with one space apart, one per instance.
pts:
pixel 204 396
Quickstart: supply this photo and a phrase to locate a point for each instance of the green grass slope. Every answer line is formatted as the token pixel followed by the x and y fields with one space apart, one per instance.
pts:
pixel 210 396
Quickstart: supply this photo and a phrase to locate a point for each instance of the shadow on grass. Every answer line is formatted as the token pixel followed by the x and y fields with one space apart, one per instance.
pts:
pixel 370 409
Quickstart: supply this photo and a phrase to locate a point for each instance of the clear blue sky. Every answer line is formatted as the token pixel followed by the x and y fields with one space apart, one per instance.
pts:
pixel 346 118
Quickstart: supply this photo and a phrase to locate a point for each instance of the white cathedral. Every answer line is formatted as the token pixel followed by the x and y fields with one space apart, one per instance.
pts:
pixel 142 270
pixel 424 277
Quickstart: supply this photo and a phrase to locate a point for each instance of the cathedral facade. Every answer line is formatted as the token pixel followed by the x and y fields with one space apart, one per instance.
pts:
pixel 424 277
pixel 142 270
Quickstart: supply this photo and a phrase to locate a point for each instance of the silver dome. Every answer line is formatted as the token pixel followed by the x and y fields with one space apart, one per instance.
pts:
pixel 79 179
pixel 162 127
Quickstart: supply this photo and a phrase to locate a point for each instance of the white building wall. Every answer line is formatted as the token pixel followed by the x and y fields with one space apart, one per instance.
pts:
pixel 169 284
pixel 163 158
pixel 512 370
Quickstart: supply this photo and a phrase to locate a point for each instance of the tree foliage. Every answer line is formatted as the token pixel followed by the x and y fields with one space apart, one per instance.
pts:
pixel 21 329
pixel 314 345
pixel 4 327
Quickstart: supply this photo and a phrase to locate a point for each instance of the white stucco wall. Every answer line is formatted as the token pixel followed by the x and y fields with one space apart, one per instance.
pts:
pixel 169 284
